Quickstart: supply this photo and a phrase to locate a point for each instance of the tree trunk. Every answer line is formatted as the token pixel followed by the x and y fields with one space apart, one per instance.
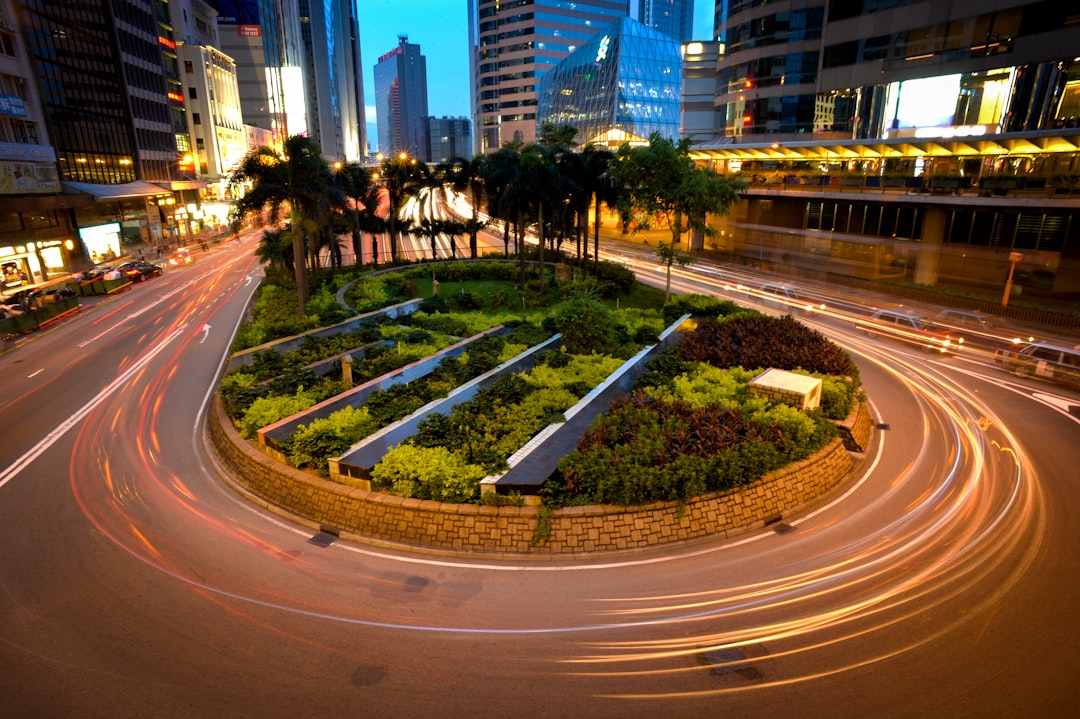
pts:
pixel 300 270
pixel 596 238
pixel 540 243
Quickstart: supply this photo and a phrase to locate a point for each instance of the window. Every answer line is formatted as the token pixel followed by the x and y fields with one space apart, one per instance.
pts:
pixel 188 67
pixel 192 93
pixel 196 118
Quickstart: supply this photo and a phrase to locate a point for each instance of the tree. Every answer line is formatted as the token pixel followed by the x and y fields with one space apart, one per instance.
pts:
pixel 358 186
pixel 275 249
pixel 298 178
pixel 662 180
pixel 400 179
pixel 467 176
pixel 667 255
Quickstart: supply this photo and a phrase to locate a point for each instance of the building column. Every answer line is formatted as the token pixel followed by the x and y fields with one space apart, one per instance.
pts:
pixel 929 257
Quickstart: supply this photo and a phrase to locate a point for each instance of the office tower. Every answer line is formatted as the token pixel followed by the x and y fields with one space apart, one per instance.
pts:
pixel 621 85
pixel 332 77
pixel 401 108
pixel 512 45
pixel 674 18
pixel 864 68
pixel 209 86
pixel 109 86
pixel 700 121
pixel 450 137
pixel 263 39
pixel 905 140
pixel 351 93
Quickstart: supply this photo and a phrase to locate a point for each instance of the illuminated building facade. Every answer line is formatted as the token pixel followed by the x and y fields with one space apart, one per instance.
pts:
pixel 674 18
pixel 621 85
pixel 513 44
pixel 904 140
pixel 401 108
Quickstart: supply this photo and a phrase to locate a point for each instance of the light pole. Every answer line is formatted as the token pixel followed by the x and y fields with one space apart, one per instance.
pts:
pixel 1014 258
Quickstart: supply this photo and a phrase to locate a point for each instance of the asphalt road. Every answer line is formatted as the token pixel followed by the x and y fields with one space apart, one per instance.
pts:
pixel 939 582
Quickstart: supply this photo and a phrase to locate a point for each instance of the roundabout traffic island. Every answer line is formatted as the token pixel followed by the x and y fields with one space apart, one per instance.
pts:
pixel 583 452
pixel 527 530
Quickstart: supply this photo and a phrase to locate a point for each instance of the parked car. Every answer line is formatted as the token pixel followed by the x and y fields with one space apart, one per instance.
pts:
pixel 1051 361
pixel 914 328
pixel 139 270
pixel 787 298
pixel 981 329
pixel 180 257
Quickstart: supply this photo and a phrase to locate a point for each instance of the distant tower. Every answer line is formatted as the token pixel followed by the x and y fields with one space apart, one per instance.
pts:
pixel 401 107
pixel 674 18
pixel 511 50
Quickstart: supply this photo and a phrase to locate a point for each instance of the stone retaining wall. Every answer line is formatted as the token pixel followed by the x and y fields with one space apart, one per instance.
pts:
pixel 472 528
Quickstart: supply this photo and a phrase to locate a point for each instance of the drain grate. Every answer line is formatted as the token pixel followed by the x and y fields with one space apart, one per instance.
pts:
pixel 727 660
pixel 782 528
pixel 324 537
pixel 882 425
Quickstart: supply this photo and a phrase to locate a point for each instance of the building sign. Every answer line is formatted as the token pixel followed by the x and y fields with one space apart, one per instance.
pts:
pixel 602 50
pixel 249 30
pixel 12 105
pixel 20 178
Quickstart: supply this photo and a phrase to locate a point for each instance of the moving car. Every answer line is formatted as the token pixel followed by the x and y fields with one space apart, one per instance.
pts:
pixel 1051 361
pixel 787 298
pixel 139 270
pixel 982 329
pixel 180 257
pixel 914 328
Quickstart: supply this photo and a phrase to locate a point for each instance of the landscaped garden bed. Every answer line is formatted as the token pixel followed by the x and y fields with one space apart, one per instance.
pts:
pixel 687 427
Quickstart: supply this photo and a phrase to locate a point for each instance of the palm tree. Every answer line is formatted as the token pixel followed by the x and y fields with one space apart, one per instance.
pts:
pixel 598 183
pixel 297 178
pixel 358 187
pixel 399 177
pixel 275 249
pixel 467 176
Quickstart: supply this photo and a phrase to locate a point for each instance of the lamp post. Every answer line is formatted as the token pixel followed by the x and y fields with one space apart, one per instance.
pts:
pixel 1014 258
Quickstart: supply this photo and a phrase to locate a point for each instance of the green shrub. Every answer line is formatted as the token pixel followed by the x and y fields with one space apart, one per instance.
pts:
pixel 265 411
pixel 587 327
pixel 465 301
pixel 312 445
pixel 427 473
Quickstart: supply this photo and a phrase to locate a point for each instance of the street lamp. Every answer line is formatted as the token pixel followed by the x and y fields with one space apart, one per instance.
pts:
pixel 1014 258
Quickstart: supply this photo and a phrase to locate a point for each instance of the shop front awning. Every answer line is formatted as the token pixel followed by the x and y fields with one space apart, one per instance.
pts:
pixel 114 193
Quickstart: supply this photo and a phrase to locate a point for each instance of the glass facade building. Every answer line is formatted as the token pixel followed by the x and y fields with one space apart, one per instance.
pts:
pixel 514 44
pixel 870 68
pixel 623 84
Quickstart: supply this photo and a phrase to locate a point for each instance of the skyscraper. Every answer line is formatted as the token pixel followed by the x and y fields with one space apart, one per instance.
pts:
pixel 401 107
pixel 332 77
pixel 674 18
pixel 512 45
pixel 622 85
pixel 263 38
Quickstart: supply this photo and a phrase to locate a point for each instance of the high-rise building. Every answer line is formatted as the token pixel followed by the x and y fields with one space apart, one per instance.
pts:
pixel 208 84
pixel 401 107
pixel 700 121
pixel 109 84
pixel 922 142
pixel 512 45
pixel 333 77
pixel 863 68
pixel 450 137
pixel 674 18
pixel 263 39
pixel 621 85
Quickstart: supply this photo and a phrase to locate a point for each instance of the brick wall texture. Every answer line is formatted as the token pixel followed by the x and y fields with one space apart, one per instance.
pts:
pixel 569 531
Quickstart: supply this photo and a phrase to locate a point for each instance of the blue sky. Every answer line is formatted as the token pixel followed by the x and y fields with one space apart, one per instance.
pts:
pixel 441 29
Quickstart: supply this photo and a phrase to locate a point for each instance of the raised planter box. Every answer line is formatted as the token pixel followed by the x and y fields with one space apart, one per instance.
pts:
pixel 271 436
pixel 354 467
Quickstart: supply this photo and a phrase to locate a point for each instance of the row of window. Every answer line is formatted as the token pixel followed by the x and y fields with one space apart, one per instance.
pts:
pixel 1030 231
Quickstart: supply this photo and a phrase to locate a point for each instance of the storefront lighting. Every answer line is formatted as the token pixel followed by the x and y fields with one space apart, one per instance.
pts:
pixel 69 245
